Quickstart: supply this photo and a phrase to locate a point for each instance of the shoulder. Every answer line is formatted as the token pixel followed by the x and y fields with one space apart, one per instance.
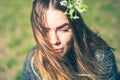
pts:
pixel 107 62
pixel 31 54
pixel 101 54
pixel 27 71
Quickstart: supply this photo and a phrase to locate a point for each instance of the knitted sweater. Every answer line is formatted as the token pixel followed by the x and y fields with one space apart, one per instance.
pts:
pixel 106 60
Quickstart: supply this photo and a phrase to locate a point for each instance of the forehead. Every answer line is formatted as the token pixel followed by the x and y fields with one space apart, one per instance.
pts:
pixel 55 18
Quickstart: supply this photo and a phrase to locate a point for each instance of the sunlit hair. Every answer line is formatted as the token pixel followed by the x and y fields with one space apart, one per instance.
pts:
pixel 53 66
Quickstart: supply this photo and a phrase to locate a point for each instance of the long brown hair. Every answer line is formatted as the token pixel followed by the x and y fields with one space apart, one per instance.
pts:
pixel 51 66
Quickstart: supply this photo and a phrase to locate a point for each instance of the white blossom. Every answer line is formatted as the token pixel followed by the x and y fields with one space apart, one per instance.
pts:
pixel 70 6
pixel 78 2
pixel 82 10
pixel 74 6
pixel 75 17
pixel 64 3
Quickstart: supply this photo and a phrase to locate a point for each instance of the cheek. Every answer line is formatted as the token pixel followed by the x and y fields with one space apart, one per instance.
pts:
pixel 66 38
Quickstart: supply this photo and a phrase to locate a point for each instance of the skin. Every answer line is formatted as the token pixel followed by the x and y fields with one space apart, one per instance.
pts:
pixel 58 30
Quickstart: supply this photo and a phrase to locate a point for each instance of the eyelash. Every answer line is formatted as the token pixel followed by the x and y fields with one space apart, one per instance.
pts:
pixel 46 30
pixel 65 30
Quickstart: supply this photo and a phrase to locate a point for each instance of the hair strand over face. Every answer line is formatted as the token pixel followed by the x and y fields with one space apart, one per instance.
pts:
pixel 53 66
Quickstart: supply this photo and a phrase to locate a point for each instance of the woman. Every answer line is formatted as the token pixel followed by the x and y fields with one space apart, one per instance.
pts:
pixel 66 48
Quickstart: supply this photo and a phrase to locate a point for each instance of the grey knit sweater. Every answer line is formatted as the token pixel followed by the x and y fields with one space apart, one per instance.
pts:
pixel 106 60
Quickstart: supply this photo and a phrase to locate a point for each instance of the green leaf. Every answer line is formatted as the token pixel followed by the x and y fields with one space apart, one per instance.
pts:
pixel 72 1
pixel 77 7
pixel 71 11
pixel 84 6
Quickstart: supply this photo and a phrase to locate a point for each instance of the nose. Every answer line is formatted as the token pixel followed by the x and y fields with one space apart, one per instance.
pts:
pixel 54 39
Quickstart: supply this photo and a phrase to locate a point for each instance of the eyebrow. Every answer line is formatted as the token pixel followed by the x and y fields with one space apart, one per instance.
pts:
pixel 61 26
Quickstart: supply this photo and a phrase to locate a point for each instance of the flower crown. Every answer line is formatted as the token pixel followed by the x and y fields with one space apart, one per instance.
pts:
pixel 74 6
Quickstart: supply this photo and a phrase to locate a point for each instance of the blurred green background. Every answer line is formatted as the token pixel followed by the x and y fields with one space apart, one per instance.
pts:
pixel 16 38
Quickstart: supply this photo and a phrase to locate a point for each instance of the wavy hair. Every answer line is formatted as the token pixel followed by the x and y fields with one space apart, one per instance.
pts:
pixel 79 63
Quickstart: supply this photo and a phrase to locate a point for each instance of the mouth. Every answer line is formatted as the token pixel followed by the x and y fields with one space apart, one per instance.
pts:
pixel 58 50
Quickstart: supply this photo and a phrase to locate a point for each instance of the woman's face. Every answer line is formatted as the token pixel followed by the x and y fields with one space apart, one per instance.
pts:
pixel 58 30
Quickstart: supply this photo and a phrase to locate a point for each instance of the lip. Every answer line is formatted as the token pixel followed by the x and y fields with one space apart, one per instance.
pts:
pixel 58 50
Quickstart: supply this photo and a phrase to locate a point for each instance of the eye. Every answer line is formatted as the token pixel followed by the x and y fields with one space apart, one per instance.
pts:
pixel 46 30
pixel 65 28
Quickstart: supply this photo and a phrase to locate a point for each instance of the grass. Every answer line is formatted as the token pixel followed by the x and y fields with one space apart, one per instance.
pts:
pixel 19 75
pixel 17 39
pixel 11 62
